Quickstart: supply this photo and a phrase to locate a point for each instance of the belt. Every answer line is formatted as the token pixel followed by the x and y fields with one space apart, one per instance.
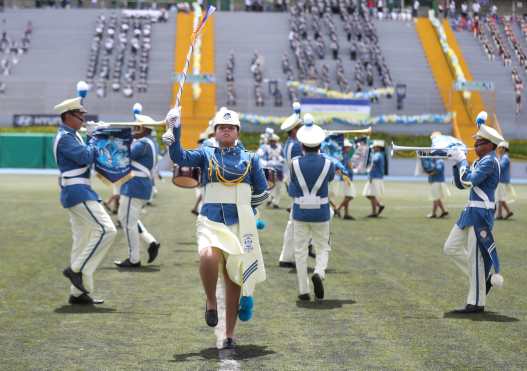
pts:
pixel 74 181
pixel 139 174
pixel 482 205
pixel 315 204
pixel 217 193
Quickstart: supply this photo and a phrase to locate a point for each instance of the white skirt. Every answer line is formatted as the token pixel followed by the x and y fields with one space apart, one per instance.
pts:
pixel 439 191
pixel 341 188
pixel 505 192
pixel 214 234
pixel 374 188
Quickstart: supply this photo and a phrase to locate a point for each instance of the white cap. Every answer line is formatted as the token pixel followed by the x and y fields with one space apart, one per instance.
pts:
pixel 347 143
pixel 274 137
pixel 73 104
pixel 310 135
pixel 269 131
pixel 504 144
pixel 490 134
pixel 227 117
pixel 147 121
pixel 377 143
pixel 291 122
pixel 435 134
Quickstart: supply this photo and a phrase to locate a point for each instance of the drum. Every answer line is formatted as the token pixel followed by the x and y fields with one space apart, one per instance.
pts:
pixel 186 177
pixel 270 176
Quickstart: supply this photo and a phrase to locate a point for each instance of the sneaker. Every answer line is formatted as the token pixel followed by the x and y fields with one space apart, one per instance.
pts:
pixel 318 286
pixel 84 299
pixel 75 279
pixel 127 264
pixel 153 250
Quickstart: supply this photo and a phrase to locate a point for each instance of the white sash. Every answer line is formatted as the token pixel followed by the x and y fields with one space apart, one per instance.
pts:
pixel 71 177
pixel 310 200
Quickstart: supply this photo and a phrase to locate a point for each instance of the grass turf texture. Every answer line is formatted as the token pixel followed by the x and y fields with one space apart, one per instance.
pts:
pixel 388 291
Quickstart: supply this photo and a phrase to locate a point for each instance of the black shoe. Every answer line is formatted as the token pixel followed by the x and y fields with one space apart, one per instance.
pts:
pixel 153 250
pixel 276 207
pixel 211 316
pixel 348 217
pixel 318 286
pixel 311 252
pixel 508 215
pixel 75 279
pixel 443 214
pixel 372 216
pixel 431 216
pixel 287 264
pixel 381 208
pixel 470 308
pixel 127 264
pixel 304 297
pixel 229 343
pixel 84 299
pixel 488 284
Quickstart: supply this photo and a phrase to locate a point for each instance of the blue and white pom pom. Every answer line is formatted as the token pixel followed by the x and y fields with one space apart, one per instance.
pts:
pixel 481 118
pixel 137 108
pixel 260 224
pixel 296 108
pixel 245 312
pixel 496 280
pixel 308 119
pixel 82 89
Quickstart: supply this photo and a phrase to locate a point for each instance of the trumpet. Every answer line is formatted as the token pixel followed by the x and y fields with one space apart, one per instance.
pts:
pixel 349 131
pixel 141 120
pixel 428 152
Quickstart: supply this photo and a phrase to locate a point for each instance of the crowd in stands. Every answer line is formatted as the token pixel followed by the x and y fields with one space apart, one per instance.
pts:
pixel 11 49
pixel 229 77
pixel 314 30
pixel 120 54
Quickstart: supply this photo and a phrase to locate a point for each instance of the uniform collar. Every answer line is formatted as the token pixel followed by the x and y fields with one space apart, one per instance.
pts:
pixel 67 128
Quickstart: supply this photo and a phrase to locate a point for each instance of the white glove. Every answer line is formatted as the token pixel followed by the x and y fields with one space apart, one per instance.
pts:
pixel 168 138
pixel 173 118
pixel 457 155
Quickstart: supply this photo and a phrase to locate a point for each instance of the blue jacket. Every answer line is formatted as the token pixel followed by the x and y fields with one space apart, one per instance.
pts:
pixel 234 161
pixel 291 149
pixel 311 165
pixel 74 160
pixel 437 173
pixel 142 154
pixel 483 177
pixel 377 168
pixel 505 167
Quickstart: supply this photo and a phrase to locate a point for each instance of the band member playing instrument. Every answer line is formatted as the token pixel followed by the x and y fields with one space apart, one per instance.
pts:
pixel 505 192
pixel 272 157
pixel 92 228
pixel 471 244
pixel 135 193
pixel 309 178
pixel 226 227
pixel 374 188
pixel 343 185
pixel 435 168
pixel 291 149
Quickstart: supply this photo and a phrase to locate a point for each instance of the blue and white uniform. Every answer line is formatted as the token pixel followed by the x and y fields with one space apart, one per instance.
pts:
pixel 436 178
pixel 375 185
pixel 470 243
pixel 227 218
pixel 505 192
pixel 291 149
pixel 272 158
pixel 92 228
pixel 310 176
pixel 134 195
pixel 342 185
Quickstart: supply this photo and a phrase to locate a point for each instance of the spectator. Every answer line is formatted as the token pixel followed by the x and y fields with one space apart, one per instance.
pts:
pixel 415 9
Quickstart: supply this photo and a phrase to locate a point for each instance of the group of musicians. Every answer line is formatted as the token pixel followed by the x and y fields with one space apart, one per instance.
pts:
pixel 233 185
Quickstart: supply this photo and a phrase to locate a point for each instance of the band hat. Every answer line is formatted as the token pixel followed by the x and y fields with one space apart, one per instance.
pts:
pixel 347 143
pixel 435 134
pixel 146 121
pixel 310 135
pixel 227 117
pixel 73 104
pixel 291 122
pixel 490 134
pixel 377 143
pixel 504 144
pixel 274 137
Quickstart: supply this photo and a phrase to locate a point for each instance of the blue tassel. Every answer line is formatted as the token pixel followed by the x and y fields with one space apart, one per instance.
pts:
pixel 260 224
pixel 246 308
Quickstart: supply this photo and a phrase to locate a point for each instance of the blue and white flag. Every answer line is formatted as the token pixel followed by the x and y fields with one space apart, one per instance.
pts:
pixel 113 154
pixel 357 109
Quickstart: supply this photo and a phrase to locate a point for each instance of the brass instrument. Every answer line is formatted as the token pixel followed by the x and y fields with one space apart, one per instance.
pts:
pixel 350 131
pixel 427 152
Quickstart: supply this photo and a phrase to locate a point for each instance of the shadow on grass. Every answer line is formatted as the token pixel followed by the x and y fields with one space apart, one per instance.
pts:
pixel 240 353
pixel 323 304
pixel 481 317
pixel 141 269
pixel 79 309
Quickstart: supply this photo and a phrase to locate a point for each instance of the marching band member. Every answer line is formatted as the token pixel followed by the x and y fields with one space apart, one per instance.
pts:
pixel 291 149
pixel 343 185
pixel 471 244
pixel 135 193
pixel 309 178
pixel 505 193
pixel 226 227
pixel 435 168
pixel 92 228
pixel 272 158
pixel 374 188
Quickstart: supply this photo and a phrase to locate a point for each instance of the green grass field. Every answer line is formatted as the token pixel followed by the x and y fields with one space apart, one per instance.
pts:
pixel 388 293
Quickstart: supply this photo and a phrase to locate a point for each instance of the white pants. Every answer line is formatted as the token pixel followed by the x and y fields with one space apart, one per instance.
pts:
pixel 319 235
pixel 93 233
pixel 129 211
pixel 461 246
pixel 288 250
pixel 276 193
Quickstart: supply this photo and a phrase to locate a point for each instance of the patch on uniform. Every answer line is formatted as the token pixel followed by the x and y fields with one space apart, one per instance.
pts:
pixel 227 116
pixel 483 233
pixel 247 242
